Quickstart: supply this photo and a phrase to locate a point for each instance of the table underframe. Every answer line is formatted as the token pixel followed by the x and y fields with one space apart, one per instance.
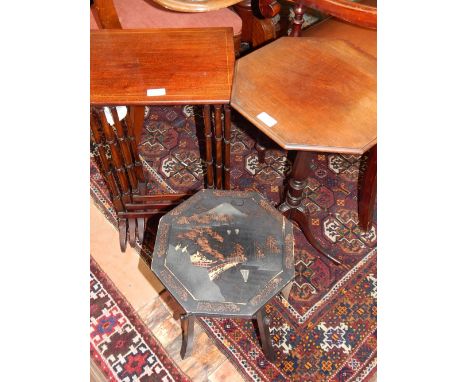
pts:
pixel 123 171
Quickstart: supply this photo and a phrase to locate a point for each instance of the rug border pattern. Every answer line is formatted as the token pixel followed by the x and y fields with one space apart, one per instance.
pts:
pixel 134 319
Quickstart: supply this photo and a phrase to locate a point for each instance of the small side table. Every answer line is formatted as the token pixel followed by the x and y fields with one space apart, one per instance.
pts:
pixel 137 68
pixel 225 254
pixel 310 94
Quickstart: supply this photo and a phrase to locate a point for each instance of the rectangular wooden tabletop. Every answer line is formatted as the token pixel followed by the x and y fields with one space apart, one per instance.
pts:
pixel 161 66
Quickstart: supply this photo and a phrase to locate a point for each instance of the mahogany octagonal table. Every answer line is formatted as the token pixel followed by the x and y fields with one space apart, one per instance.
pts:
pixel 310 94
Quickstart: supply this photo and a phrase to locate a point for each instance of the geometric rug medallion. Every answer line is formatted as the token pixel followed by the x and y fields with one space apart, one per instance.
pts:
pixel 121 345
pixel 327 329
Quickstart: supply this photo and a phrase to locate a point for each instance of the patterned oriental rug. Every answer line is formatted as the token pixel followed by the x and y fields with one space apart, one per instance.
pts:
pixel 121 345
pixel 327 330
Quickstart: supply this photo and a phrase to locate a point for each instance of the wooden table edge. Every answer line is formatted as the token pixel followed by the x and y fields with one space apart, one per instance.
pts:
pixel 164 102
pixel 301 147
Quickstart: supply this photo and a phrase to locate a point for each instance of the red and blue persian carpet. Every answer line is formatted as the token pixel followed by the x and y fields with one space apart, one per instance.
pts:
pixel 327 329
pixel 121 345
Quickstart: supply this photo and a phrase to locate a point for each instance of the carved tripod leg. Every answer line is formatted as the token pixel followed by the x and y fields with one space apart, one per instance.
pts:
pixel 292 206
pixel 186 322
pixel 298 20
pixel 367 190
pixel 263 322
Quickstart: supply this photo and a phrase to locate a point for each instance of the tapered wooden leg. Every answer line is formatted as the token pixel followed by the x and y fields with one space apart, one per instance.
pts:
pixel 292 206
pixel 298 20
pixel 187 323
pixel 227 147
pixel 208 146
pixel 367 190
pixel 263 322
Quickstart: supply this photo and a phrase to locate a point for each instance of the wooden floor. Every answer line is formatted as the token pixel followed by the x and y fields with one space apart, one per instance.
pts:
pixel 147 296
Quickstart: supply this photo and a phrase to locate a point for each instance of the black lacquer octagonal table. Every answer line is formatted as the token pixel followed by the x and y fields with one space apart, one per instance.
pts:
pixel 225 254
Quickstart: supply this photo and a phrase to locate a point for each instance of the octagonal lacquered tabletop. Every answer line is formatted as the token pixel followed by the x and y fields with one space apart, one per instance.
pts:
pixel 224 253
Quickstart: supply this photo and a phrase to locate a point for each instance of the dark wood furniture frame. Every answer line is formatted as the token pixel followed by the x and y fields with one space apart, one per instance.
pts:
pixel 292 204
pixel 361 15
pixel 124 65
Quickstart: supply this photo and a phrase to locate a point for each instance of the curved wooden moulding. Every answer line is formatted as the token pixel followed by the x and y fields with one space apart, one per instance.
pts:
pixel 354 13
pixel 265 8
pixel 195 5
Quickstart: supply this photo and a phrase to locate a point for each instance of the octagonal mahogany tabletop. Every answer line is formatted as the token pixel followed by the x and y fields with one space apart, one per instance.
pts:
pixel 224 253
pixel 310 94
pixel 161 66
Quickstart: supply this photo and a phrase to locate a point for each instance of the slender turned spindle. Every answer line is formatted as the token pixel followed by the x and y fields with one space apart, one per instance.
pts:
pixel 208 145
pixel 125 150
pixel 218 147
pixel 108 175
pixel 116 157
pixel 227 147
pixel 137 116
pixel 298 20
pixel 129 124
